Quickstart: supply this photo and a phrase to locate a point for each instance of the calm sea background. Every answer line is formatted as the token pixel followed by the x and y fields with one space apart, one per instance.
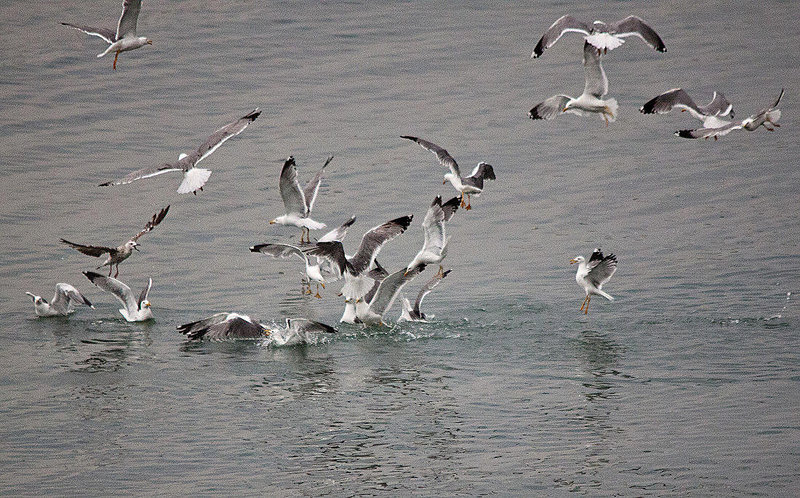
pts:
pixel 688 383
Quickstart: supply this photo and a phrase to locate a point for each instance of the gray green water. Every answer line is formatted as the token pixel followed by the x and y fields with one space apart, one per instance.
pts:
pixel 686 384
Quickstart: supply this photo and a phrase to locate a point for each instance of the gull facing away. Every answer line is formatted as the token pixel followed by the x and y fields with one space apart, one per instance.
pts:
pixel 591 100
pixel 471 185
pixel 434 249
pixel 193 178
pixel 592 274
pixel 313 271
pixel 124 38
pixel 767 117
pixel 371 312
pixel 63 302
pixel 135 309
pixel 603 37
pixel 224 326
pixel 117 255
pixel 413 313
pixel 299 202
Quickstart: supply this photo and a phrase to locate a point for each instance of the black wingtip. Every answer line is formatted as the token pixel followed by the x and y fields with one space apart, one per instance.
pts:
pixel 91 275
pixel 403 221
pixel 253 114
pixel 409 137
pixel 684 133
pixel 534 113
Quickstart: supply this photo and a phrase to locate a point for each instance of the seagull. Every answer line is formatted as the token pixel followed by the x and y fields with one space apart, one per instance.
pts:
pixel 124 38
pixel 313 271
pixel 222 326
pixel 371 312
pixel 117 255
pixel 593 274
pixel 471 185
pixel 135 309
pixel 591 100
pixel 767 117
pixel 63 301
pixel 193 178
pixel 603 37
pixel 413 313
pixel 677 97
pixel 299 202
pixel 434 249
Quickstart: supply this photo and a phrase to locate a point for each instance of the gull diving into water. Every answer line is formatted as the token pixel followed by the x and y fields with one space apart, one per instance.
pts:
pixel 413 313
pixel 592 274
pixel 299 202
pixel 124 38
pixel 767 117
pixel 224 326
pixel 434 249
pixel 603 37
pixel 63 303
pixel 471 185
pixel 136 309
pixel 117 255
pixel 591 100
pixel 193 178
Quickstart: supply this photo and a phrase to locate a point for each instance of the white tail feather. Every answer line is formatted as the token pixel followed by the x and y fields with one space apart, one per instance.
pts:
pixel 193 180
pixel 612 106
pixel 311 224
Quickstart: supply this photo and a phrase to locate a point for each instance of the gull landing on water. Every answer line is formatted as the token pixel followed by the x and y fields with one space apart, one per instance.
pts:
pixel 298 202
pixel 413 313
pixel 592 274
pixel 135 309
pixel 603 37
pixel 63 302
pixel 224 326
pixel 124 38
pixel 117 255
pixel 469 186
pixel 193 178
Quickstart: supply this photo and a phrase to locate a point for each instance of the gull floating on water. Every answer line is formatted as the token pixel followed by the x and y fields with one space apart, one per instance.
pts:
pixel 603 37
pixel 117 255
pixel 135 309
pixel 193 178
pixel 471 185
pixel 767 117
pixel 223 326
pixel 63 302
pixel 413 313
pixel 592 274
pixel 299 202
pixel 434 249
pixel 591 100
pixel 124 38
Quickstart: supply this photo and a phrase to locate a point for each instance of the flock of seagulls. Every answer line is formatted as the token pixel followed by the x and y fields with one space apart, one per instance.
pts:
pixel 368 289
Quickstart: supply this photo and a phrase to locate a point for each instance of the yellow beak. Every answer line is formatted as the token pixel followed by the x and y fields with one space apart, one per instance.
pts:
pixel 271 222
pixel 573 261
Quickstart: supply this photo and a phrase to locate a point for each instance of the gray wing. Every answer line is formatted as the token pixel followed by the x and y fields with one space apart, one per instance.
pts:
pixel 121 291
pixel 677 97
pixel 550 108
pixel 218 138
pixel 223 326
pixel 294 200
pixel 157 218
pixel 330 251
pixel 95 251
pixel 106 34
pixel 563 25
pixel 481 172
pixel 373 241
pixel 145 292
pixel 338 234
pixel 710 132
pixel 427 288
pixel 770 114
pixel 445 159
pixel 312 187
pixel 66 293
pixel 719 106
pixel 128 18
pixel 145 173
pixel 635 26
pixel 602 271
pixel 390 287
pixel 279 250
pixel 596 80
pixel 433 225
pixel 450 207
pixel 305 326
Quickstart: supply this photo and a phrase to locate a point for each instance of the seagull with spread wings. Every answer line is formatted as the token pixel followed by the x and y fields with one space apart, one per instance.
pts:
pixel 370 312
pixel 124 38
pixel 767 117
pixel 601 36
pixel 299 202
pixel 135 309
pixel 117 255
pixel 434 248
pixel 63 302
pixel 193 177
pixel 413 313
pixel 592 274
pixel 225 326
pixel 471 185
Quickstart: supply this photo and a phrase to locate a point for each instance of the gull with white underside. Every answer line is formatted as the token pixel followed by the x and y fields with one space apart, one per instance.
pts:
pixel 299 202
pixel 592 274
pixel 603 37
pixel 135 309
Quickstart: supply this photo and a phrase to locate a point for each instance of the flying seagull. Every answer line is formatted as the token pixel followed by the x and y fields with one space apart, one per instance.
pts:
pixel 63 301
pixel 592 274
pixel 603 37
pixel 313 271
pixel 193 178
pixel 434 249
pixel 299 202
pixel 117 255
pixel 124 38
pixel 471 185
pixel 591 100
pixel 135 309
pixel 677 97
pixel 767 117
pixel 223 326
pixel 413 313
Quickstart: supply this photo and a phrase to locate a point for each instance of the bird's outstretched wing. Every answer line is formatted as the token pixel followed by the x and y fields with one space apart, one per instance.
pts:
pixel 428 287
pixel 128 19
pixel 374 240
pixel 550 108
pixel 95 251
pixel 338 234
pixel 222 326
pixel 66 293
pixel 596 81
pixel 445 159
pixel 121 291
pixel 106 34
pixel 157 218
pixel 564 24
pixel 635 26
pixel 218 138
pixel 710 132
pixel 333 252
pixel 312 187
pixel 294 200
pixel 390 287
pixel 602 270
pixel 481 172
